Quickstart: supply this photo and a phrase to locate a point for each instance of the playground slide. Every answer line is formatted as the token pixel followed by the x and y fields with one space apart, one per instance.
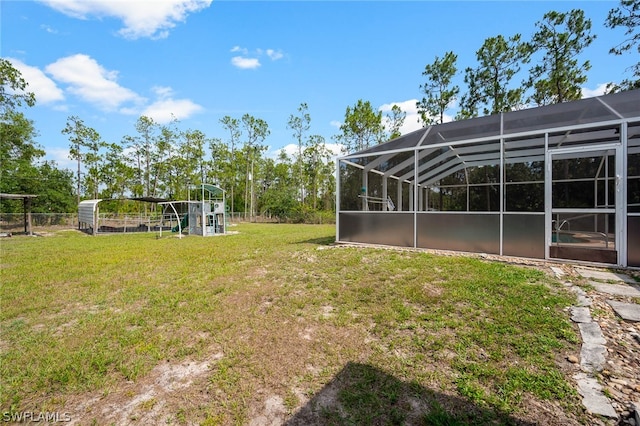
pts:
pixel 183 224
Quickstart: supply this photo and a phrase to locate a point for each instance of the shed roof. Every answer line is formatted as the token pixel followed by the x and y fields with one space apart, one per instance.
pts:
pixel 90 202
pixel 16 196
pixel 213 189
pixel 148 199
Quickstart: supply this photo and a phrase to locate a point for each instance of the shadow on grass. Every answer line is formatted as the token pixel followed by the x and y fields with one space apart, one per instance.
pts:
pixel 364 395
pixel 323 241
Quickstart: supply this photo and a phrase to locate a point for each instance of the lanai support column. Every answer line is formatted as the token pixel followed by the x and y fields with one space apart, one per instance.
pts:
pixel 365 190
pixel 411 191
pixel 384 194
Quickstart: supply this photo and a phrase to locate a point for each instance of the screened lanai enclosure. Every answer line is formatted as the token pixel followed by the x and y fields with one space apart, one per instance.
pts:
pixel 554 182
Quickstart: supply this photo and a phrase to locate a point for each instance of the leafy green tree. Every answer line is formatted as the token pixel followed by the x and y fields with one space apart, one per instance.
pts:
pixel 256 131
pixel 93 160
pixel 192 150
pixel 317 160
pixel 145 142
pixel 626 15
pixel 232 168
pixel 561 37
pixel 18 153
pixel 499 62
pixel 218 163
pixel 84 147
pixel 18 150
pixel 395 120
pixel 300 124
pixel 150 155
pixel 223 169
pixel 439 89
pixel 232 125
pixel 362 127
pixel 162 170
pixel 279 196
pixel 13 86
pixel 135 162
pixel 115 173
pixel 54 188
pixel 20 170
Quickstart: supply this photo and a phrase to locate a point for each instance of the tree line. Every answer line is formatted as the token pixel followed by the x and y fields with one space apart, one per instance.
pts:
pixel 162 160
pixel 556 73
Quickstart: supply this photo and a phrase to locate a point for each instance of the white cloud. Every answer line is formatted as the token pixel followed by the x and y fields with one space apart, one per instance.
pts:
pixel 141 18
pixel 407 106
pixel 162 92
pixel 242 50
pixel 91 82
pixel 250 60
pixel 245 63
pixel 61 157
pixel 48 29
pixel 412 122
pixel 43 87
pixel 94 84
pixel 598 91
pixel 292 150
pixel 335 148
pixel 274 55
pixel 61 108
pixel 165 108
pixel 335 123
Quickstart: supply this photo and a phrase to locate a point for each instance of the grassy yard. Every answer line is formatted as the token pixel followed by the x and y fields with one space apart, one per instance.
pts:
pixel 275 324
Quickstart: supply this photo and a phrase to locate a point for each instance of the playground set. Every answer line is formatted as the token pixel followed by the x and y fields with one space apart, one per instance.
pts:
pixel 203 213
pixel 205 216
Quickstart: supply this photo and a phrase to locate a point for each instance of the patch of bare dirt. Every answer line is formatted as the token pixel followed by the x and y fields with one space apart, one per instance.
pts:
pixel 273 413
pixel 158 398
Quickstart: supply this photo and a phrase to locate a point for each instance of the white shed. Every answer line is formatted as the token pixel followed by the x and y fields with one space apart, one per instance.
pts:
pixel 88 215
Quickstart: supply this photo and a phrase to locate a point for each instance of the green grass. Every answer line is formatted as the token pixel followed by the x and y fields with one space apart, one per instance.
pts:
pixel 290 314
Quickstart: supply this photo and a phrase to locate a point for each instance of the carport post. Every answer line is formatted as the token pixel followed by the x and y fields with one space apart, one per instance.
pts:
pixel 27 216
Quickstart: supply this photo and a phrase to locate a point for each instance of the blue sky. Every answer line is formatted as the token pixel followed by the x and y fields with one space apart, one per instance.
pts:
pixel 109 61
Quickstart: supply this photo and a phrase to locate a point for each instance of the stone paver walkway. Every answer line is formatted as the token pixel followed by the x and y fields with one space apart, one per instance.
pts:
pixel 592 354
pixel 594 350
pixel 624 286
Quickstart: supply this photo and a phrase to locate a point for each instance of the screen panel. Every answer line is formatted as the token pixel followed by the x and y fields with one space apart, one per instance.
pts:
pixel 523 235
pixel 478 233
pixel 633 241
pixel 392 229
